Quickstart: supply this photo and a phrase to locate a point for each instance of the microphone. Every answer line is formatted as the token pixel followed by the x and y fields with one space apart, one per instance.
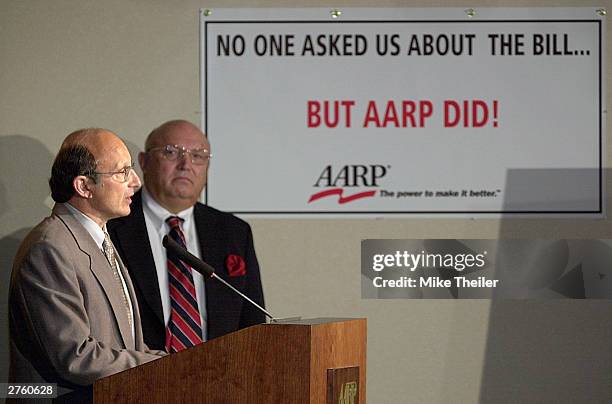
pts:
pixel 187 257
pixel 204 268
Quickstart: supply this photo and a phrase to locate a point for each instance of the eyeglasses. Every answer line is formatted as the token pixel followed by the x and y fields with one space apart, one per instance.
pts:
pixel 122 175
pixel 172 152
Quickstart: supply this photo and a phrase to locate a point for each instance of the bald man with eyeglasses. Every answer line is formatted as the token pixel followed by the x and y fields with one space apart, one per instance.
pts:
pixel 179 307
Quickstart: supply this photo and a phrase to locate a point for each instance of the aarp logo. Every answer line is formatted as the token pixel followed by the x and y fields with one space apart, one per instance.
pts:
pixel 346 182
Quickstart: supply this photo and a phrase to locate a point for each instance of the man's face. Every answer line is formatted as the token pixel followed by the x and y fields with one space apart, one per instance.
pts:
pixel 111 195
pixel 175 183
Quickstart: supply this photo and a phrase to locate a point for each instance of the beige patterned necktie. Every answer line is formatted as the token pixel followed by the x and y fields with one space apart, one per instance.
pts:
pixel 109 251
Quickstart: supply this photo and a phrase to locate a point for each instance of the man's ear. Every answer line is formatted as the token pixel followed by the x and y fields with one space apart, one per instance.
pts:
pixel 142 161
pixel 82 186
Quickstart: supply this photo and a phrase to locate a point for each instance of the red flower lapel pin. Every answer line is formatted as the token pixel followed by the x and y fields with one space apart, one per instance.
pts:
pixel 235 265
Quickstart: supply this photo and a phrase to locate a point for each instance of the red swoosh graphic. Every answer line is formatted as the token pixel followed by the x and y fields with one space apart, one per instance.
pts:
pixel 338 191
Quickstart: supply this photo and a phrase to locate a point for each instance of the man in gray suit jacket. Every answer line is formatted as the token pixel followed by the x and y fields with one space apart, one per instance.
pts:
pixel 73 312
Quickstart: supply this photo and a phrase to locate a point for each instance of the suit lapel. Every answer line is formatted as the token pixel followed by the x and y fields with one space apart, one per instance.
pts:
pixel 209 245
pixel 211 249
pixel 100 268
pixel 136 251
pixel 132 295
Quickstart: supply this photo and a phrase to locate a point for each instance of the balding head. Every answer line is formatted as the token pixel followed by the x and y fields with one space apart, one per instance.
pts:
pixel 75 158
pixel 157 135
pixel 82 135
pixel 176 180
pixel 98 141
pixel 85 156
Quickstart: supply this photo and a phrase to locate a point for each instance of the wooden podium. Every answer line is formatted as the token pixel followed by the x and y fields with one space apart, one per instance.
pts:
pixel 320 361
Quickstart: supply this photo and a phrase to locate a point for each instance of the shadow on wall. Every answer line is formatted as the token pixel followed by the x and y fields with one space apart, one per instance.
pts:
pixel 554 344
pixel 25 167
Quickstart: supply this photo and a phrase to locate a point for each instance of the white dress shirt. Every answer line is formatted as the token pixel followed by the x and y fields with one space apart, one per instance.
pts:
pixel 155 219
pixel 97 233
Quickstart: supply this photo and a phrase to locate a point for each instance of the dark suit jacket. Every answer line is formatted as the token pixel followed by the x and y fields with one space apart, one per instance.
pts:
pixel 68 323
pixel 220 234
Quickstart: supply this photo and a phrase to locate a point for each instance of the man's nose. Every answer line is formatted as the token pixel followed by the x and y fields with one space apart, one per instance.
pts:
pixel 184 160
pixel 134 180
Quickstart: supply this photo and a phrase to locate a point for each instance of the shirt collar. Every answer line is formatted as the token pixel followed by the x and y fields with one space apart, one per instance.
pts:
pixel 158 214
pixel 96 232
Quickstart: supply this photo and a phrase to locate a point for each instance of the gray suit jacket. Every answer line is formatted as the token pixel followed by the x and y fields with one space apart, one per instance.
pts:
pixel 68 323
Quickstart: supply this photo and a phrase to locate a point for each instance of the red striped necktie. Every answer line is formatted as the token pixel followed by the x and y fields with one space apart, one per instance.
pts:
pixel 185 326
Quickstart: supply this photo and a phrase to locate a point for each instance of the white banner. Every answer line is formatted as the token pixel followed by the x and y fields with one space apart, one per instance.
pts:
pixel 404 111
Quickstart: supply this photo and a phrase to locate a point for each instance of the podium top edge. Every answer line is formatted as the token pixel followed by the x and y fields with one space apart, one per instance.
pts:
pixel 315 321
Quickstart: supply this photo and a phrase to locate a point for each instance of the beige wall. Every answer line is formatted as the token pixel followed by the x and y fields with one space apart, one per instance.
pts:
pixel 130 65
